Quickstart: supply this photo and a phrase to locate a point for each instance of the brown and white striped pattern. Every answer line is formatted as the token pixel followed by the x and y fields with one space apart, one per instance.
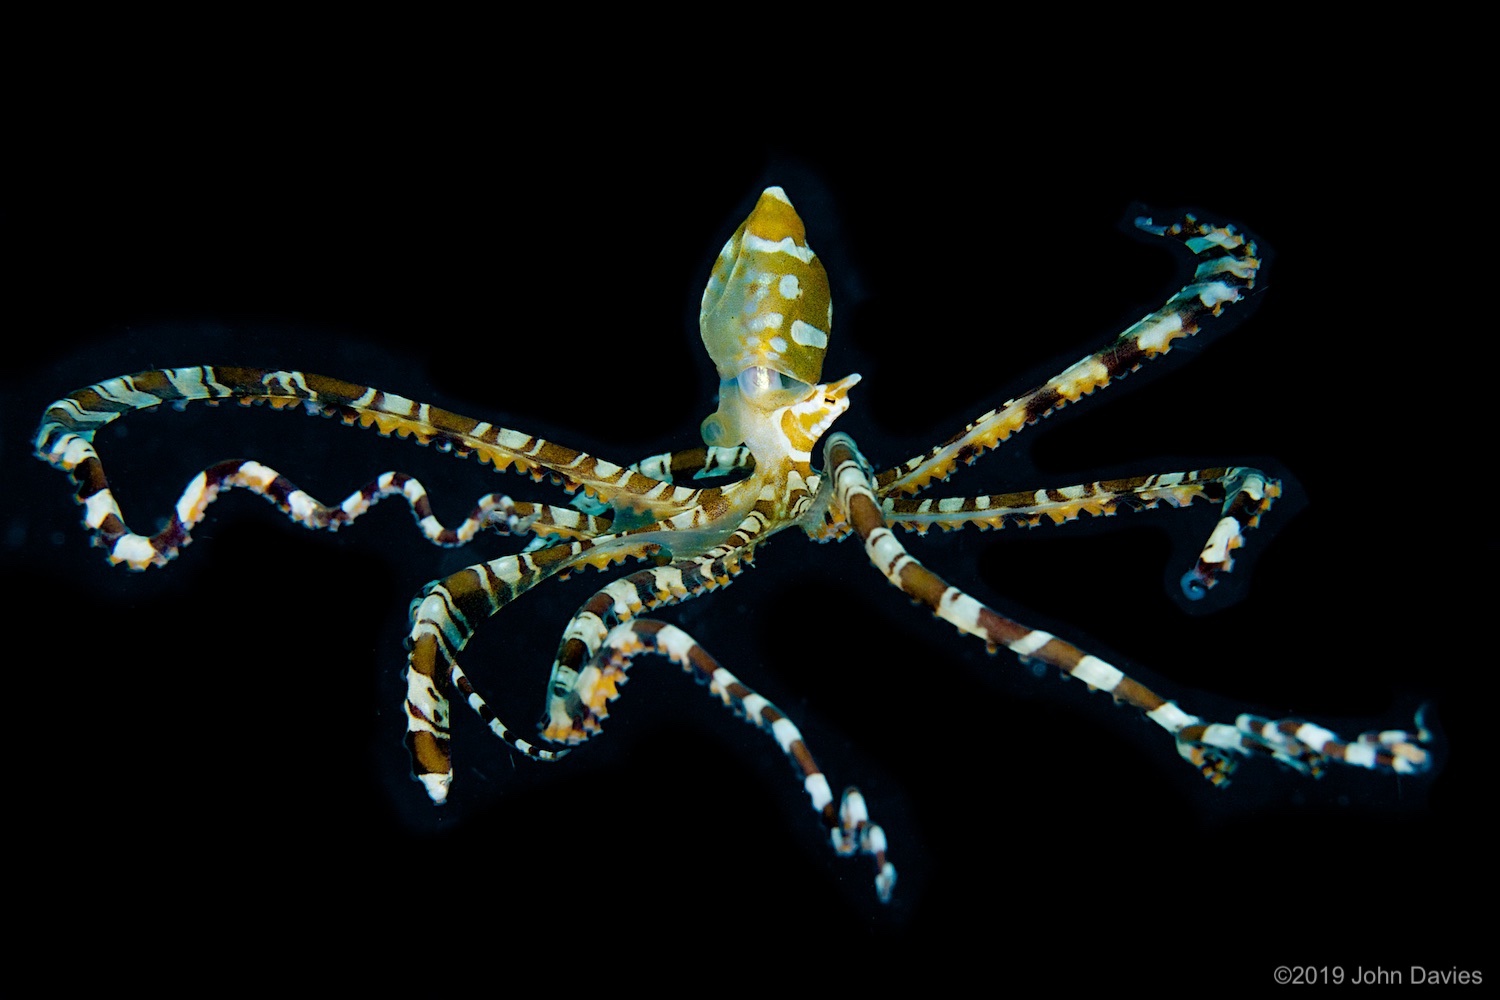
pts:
pixel 66 437
pixel 579 692
pixel 443 620
pixel 446 616
pixel 848 823
pixel 1211 747
pixel 1028 508
pixel 1244 494
pixel 1225 274
pixel 766 312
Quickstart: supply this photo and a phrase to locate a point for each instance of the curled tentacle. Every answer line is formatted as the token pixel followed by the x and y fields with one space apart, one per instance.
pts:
pixel 1251 494
pixel 443 620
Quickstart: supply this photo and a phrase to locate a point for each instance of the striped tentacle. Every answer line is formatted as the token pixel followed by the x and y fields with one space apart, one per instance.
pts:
pixel 65 438
pixel 1251 494
pixel 1226 272
pixel 499 513
pixel 1307 746
pixel 696 463
pixel 580 689
pixel 1245 494
pixel 448 612
pixel 1210 747
pixel 444 618
pixel 671 466
pixel 1028 508
pixel 784 488
pixel 848 823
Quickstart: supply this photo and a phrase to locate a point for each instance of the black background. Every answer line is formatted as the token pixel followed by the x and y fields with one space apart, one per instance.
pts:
pixel 222 739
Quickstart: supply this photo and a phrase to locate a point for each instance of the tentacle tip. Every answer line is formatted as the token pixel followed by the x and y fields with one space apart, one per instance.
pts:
pixel 437 786
pixel 1423 734
pixel 1410 759
pixel 843 845
pixel 1212 763
pixel 1218 777
pixel 1195 585
pixel 1146 224
pixel 885 882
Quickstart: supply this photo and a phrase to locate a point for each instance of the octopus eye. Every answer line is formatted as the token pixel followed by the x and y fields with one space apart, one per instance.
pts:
pixel 758 383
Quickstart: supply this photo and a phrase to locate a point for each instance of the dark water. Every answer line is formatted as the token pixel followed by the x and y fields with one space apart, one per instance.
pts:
pixel 224 736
